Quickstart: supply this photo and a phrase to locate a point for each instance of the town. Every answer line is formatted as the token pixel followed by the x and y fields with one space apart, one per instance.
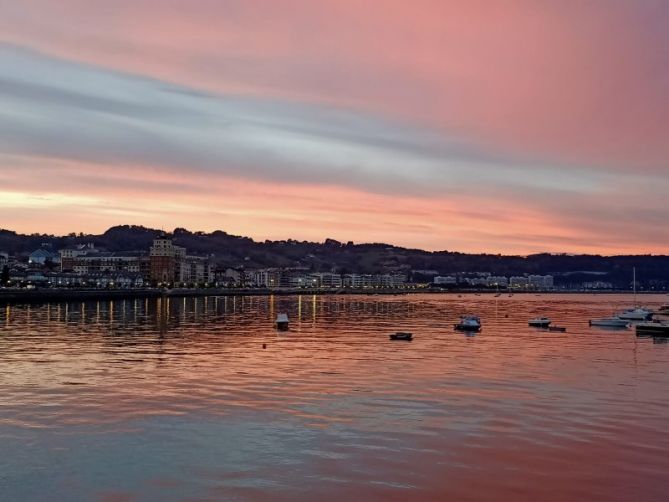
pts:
pixel 167 265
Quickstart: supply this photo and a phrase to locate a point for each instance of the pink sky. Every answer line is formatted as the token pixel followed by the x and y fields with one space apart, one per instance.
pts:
pixel 514 127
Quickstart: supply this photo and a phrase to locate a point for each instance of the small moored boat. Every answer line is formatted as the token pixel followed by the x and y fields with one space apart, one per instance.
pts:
pixel 400 335
pixel 610 322
pixel 539 322
pixel 636 314
pixel 469 323
pixel 281 322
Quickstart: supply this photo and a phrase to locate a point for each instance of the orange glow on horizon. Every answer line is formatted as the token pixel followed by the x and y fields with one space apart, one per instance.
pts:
pixel 260 210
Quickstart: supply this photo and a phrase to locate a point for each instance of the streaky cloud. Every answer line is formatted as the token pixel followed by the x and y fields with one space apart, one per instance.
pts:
pixel 95 115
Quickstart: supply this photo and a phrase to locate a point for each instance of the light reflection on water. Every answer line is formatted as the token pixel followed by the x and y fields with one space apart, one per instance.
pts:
pixel 176 399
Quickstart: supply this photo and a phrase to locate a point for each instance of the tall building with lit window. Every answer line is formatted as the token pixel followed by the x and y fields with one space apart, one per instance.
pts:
pixel 170 264
pixel 165 259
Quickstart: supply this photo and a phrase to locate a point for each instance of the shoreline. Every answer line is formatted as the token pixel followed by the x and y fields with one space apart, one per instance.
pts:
pixel 12 297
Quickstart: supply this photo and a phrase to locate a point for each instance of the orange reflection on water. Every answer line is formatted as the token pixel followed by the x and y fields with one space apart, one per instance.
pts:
pixel 512 410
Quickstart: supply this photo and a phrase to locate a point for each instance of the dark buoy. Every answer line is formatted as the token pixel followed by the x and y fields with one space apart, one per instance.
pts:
pixel 264 345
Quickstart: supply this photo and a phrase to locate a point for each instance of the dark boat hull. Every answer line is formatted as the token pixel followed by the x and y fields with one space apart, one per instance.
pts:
pixel 539 324
pixel 660 330
pixel 407 337
pixel 461 327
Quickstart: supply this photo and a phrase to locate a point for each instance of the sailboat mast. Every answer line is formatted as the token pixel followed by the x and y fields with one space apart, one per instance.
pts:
pixel 634 284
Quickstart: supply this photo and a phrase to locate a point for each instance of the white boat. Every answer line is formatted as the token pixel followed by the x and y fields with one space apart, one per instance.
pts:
pixel 281 322
pixel 635 313
pixel 610 322
pixel 469 323
pixel 539 322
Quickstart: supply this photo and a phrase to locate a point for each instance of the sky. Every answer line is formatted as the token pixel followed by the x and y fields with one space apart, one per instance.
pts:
pixel 479 126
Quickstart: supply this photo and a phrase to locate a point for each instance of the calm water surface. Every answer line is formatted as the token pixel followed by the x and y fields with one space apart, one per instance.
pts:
pixel 177 400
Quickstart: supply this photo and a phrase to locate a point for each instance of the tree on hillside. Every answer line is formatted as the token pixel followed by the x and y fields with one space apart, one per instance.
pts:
pixel 4 276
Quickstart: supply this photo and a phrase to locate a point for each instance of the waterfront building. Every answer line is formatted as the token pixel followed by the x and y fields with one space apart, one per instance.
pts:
pixel 249 277
pixel 194 270
pixel 94 262
pixel 299 281
pixel 373 280
pixel 540 281
pixel 326 280
pixel 497 280
pixel 169 263
pixel 36 277
pixel 389 280
pixel 123 280
pixel 517 282
pixel 353 280
pixel 42 256
pixel 296 277
pixel 476 281
pixel 230 277
pixel 445 280
pixel 597 285
pixel 67 279
pixel 69 254
pixel 165 260
pixel 268 277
